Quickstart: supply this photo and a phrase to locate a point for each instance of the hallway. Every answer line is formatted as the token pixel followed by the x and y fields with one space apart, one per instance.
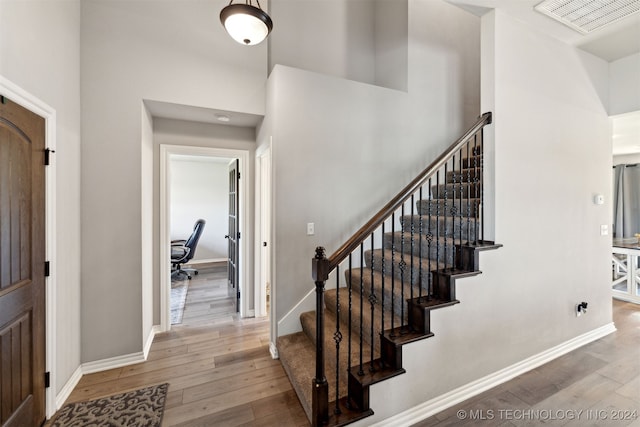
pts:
pixel 219 368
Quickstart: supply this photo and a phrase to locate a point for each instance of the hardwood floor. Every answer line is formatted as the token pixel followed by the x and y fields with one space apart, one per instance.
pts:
pixel 221 374
pixel 591 386
pixel 218 367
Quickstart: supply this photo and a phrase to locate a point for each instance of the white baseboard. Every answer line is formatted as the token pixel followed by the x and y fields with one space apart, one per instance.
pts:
pixel 103 365
pixel 66 390
pixel 440 403
pixel 273 350
pixel 112 363
pixel 147 345
pixel 290 322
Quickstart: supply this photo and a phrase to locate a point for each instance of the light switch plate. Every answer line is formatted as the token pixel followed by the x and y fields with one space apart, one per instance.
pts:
pixel 311 229
pixel 604 230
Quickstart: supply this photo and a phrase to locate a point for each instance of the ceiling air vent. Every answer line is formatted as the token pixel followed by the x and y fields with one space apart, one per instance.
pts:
pixel 586 16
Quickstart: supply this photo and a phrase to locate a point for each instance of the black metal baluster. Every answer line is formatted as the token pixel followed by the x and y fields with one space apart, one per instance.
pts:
pixel 437 235
pixel 430 237
pixel 460 211
pixel 420 224
pixel 349 332
pixel 412 246
pixel 383 270
pixel 361 370
pixel 393 272
pixel 337 337
pixel 469 200
pixel 446 213
pixel 403 266
pixel 475 185
pixel 372 301
pixel 481 184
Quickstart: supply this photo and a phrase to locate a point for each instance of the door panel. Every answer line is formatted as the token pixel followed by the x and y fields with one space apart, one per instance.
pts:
pixel 22 304
pixel 234 232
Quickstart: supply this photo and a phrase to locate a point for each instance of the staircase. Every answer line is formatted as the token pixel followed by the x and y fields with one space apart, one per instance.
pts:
pixel 383 283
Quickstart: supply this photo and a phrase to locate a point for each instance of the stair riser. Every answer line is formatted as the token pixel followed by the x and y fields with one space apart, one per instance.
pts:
pixel 395 288
pixel 472 162
pixel 435 250
pixel 415 276
pixel 459 228
pixel 466 175
pixel 456 191
pixel 437 207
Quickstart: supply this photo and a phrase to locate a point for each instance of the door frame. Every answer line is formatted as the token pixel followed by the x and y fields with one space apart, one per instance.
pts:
pixel 264 213
pixel 32 103
pixel 166 150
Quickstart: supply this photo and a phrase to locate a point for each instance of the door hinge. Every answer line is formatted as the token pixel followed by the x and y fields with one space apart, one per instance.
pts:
pixel 47 269
pixel 238 174
pixel 47 379
pixel 238 294
pixel 238 234
pixel 47 156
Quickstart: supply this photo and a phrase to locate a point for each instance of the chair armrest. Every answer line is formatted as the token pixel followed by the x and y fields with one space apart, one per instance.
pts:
pixel 179 253
pixel 178 242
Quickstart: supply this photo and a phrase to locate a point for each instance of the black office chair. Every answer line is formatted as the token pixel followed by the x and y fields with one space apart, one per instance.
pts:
pixel 182 251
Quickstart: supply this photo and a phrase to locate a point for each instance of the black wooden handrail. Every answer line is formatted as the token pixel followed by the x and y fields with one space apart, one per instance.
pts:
pixel 365 231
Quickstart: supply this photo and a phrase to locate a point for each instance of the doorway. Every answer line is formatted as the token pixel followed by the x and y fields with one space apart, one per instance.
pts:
pixel 208 251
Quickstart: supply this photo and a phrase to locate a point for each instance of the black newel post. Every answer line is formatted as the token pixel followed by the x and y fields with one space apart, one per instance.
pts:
pixel 320 401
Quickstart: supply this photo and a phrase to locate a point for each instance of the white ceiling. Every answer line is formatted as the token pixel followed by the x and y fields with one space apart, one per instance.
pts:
pixel 612 42
pixel 192 113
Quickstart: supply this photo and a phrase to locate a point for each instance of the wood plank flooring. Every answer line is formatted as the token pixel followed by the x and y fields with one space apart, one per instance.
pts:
pixel 218 367
pixel 595 385
pixel 221 374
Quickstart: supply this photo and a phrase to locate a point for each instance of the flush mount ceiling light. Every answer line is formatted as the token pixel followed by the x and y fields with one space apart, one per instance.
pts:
pixel 246 23
pixel 586 16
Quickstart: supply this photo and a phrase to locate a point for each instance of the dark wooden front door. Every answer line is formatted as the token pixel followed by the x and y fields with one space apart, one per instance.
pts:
pixel 22 252
pixel 234 230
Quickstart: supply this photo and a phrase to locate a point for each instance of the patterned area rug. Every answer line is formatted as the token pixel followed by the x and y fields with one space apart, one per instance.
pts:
pixel 143 407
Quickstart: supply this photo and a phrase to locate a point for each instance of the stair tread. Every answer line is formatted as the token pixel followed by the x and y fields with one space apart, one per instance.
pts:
pixel 367 320
pixel 308 320
pixel 297 355
pixel 400 288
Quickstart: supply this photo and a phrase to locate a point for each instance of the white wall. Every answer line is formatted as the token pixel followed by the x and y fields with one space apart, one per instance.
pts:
pixel 625 85
pixel 626 159
pixel 341 148
pixel 40 52
pixel 552 152
pixel 173 51
pixel 200 189
pixel 329 37
pixel 365 41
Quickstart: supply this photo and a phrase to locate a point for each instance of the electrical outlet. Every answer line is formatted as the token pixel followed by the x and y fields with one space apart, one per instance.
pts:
pixel 311 229
pixel 581 308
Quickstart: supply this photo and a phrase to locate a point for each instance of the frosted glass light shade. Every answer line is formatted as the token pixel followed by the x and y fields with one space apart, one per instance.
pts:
pixel 245 23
